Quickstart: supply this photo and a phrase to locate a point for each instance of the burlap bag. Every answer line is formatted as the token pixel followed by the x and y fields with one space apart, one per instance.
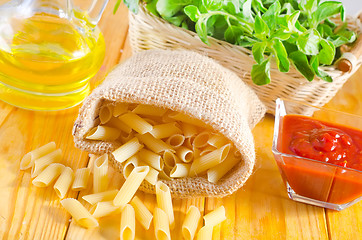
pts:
pixel 186 82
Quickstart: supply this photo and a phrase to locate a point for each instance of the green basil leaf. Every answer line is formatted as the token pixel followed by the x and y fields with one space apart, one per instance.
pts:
pixel 325 30
pixel 132 5
pixel 151 7
pixel 233 33
pixel 314 63
pixel 212 5
pixel 247 12
pixel 168 8
pixel 261 28
pixel 176 20
pixel 260 73
pixel 326 54
pixel 328 9
pixel 258 6
pixel 201 29
pixel 290 47
pixel 258 51
pixel 281 56
pixel 192 12
pixel 299 27
pixel 231 6
pixel 270 16
pixel 292 19
pixel 308 42
pixel 308 6
pixel 283 21
pixel 300 61
pixel 246 41
pixel 281 34
pixel 344 37
pixel 330 23
pixel 287 8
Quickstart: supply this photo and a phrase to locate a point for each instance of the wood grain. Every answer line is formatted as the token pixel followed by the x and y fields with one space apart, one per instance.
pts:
pixel 260 210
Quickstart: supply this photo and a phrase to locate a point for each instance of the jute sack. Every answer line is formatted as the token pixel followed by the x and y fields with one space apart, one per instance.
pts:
pixel 189 83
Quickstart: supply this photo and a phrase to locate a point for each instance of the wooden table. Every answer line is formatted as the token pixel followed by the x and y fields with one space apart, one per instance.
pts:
pixel 260 210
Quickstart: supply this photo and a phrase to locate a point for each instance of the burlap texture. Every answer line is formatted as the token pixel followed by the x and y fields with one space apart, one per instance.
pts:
pixel 186 82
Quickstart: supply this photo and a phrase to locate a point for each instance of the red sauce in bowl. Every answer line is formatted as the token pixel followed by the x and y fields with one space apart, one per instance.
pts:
pixel 325 142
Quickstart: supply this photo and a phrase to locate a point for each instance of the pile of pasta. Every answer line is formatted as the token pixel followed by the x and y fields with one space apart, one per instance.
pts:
pixel 46 169
pixel 172 144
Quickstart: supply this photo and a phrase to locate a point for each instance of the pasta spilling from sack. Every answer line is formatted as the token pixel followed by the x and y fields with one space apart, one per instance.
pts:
pixel 178 112
pixel 106 202
pixel 171 144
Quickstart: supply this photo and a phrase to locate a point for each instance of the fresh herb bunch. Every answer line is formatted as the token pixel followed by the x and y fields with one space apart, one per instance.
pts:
pixel 299 32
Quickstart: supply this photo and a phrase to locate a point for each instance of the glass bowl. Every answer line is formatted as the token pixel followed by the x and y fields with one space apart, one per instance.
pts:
pixel 312 181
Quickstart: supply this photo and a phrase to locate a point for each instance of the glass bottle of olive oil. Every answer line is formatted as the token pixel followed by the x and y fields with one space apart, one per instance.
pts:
pixel 48 54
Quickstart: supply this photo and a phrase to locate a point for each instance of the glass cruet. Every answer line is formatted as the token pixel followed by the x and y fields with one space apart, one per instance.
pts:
pixel 49 50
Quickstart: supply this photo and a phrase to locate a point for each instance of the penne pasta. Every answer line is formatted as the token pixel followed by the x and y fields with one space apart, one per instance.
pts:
pixel 188 130
pixel 103 209
pixel 170 159
pixel 215 217
pixel 150 158
pixel 191 223
pixel 150 121
pixel 128 223
pixel 164 175
pixel 154 144
pixel 164 201
pixel 217 172
pixel 129 165
pixel 64 182
pixel 205 233
pixel 186 119
pixel 105 113
pixel 127 150
pixel 201 140
pixel 180 170
pixel 218 140
pixel 197 153
pixel 152 176
pixel 81 179
pixel 119 109
pixel 149 110
pixel 28 160
pixel 44 161
pixel 161 225
pixel 117 123
pixel 166 119
pixel 207 150
pixel 176 140
pixel 103 133
pixel 79 213
pixel 125 137
pixel 100 197
pixel 48 175
pixel 100 174
pixel 165 130
pixel 143 215
pixel 130 186
pixel 136 123
pixel 209 160
pixel 188 142
pixel 186 155
pixel 237 154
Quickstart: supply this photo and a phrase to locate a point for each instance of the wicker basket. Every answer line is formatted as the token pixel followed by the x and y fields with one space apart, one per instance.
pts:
pixel 149 32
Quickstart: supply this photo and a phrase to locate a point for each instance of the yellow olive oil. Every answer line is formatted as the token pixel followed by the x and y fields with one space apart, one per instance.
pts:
pixel 48 63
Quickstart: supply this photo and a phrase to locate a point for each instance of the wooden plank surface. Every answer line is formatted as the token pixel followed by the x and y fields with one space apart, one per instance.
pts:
pixel 260 210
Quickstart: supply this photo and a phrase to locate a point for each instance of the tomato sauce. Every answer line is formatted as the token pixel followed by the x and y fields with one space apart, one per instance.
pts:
pixel 325 142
